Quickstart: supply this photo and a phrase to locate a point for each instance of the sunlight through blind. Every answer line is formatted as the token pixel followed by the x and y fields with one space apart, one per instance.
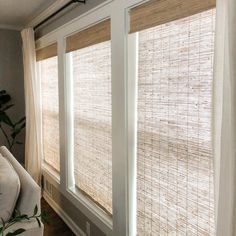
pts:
pixel 50 111
pixel 175 163
pixel 92 122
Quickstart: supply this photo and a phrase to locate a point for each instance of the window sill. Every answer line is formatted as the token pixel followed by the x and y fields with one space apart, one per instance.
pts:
pixel 82 203
pixel 90 208
pixel 48 171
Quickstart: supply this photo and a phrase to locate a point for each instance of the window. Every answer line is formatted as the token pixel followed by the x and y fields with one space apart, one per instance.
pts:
pixel 140 107
pixel 48 70
pixel 91 71
pixel 174 156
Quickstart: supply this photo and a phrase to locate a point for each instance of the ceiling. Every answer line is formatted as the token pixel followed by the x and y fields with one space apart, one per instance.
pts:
pixel 15 14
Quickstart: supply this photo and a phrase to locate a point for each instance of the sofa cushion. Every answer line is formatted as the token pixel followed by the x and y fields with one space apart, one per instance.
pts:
pixel 9 189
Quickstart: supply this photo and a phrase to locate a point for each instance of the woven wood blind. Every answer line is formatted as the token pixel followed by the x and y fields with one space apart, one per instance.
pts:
pixel 96 34
pixel 50 111
pixel 92 123
pixel 175 194
pixel 157 12
pixel 47 52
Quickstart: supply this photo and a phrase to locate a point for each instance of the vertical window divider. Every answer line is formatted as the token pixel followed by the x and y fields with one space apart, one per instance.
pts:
pixel 132 128
pixel 119 47
pixel 70 122
pixel 62 114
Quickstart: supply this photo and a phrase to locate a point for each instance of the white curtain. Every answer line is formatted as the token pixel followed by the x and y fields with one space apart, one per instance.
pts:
pixel 32 101
pixel 224 117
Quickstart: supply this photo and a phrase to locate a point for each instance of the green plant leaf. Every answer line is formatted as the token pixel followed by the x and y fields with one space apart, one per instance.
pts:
pixel 45 217
pixel 20 143
pixel 39 222
pixel 22 126
pixel 7 107
pixel 35 210
pixel 16 232
pixel 4 98
pixel 5 119
pixel 3 223
pixel 21 217
pixel 17 213
pixel 15 132
pixel 20 121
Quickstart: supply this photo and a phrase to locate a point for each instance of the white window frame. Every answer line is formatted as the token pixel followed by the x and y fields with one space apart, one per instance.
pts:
pixel 124 97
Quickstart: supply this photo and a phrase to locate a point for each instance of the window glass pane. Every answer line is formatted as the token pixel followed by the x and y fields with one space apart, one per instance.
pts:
pixel 50 111
pixel 175 163
pixel 92 122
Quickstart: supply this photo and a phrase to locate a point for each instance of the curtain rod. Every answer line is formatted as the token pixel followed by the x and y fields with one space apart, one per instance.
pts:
pixel 58 11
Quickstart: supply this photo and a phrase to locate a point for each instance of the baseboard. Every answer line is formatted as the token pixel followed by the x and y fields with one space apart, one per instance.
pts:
pixel 70 223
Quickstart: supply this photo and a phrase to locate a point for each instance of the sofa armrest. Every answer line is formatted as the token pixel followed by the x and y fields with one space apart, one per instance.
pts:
pixel 30 193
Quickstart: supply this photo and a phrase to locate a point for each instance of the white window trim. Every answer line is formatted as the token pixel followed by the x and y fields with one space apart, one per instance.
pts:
pixel 48 171
pixel 132 128
pixel 123 117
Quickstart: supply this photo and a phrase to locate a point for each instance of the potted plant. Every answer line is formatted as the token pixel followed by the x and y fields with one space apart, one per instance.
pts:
pixel 9 129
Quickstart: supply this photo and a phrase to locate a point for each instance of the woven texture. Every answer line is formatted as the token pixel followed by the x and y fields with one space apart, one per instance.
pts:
pixel 47 52
pixel 98 33
pixel 92 123
pixel 175 163
pixel 50 112
pixel 157 12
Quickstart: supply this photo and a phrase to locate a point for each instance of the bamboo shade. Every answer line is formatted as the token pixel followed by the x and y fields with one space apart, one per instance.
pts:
pixel 50 111
pixel 96 34
pixel 157 12
pixel 92 123
pixel 47 52
pixel 175 163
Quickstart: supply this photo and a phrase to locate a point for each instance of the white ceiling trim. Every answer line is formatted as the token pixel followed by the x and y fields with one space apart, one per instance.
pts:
pixel 11 27
pixel 47 12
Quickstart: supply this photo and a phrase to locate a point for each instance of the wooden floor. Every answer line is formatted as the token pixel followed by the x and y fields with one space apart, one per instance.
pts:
pixel 54 225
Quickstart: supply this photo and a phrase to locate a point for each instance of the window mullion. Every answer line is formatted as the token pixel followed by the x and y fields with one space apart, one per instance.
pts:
pixel 132 128
pixel 119 120
pixel 62 115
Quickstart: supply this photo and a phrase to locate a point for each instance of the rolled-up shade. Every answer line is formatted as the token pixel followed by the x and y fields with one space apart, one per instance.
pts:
pixel 95 34
pixel 157 12
pixel 46 52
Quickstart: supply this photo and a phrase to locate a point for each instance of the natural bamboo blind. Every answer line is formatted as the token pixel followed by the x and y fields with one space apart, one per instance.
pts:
pixel 50 111
pixel 157 12
pixel 96 34
pixel 92 123
pixel 46 52
pixel 175 163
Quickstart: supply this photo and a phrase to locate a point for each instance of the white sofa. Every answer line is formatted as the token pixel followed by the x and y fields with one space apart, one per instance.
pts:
pixel 29 197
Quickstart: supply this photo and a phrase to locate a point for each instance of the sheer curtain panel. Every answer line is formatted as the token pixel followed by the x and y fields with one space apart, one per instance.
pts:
pixel 32 103
pixel 224 117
